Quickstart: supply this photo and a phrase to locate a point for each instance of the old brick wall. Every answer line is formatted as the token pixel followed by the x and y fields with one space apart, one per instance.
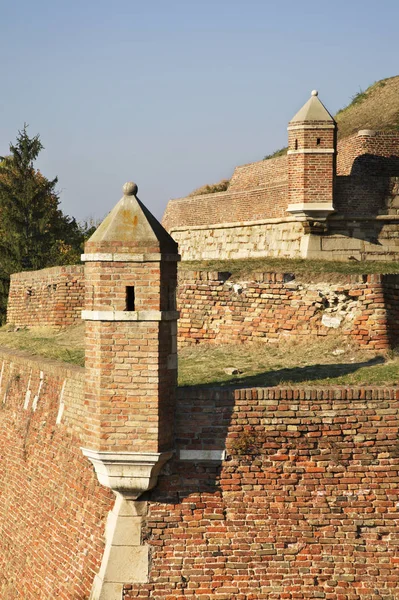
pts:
pixel 267 306
pixel 364 195
pixel 305 505
pixel 49 297
pixel 373 153
pixel 273 306
pixel 259 174
pixel 227 207
pixel 52 508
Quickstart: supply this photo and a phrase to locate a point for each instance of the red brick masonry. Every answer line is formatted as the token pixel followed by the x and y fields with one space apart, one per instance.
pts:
pixel 305 505
pixel 214 309
pixel 278 305
pixel 52 508
pixel 49 297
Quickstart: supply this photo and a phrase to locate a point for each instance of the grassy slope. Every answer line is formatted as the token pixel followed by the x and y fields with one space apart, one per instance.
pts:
pixel 377 107
pixel 66 345
pixel 291 362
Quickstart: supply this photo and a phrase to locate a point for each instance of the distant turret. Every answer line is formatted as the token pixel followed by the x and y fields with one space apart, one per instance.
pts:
pixel 311 160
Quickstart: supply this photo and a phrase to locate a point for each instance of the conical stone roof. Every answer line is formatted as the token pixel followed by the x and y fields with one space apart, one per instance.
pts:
pixel 130 225
pixel 313 110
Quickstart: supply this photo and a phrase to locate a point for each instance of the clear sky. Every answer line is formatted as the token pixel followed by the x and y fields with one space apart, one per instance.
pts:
pixel 174 94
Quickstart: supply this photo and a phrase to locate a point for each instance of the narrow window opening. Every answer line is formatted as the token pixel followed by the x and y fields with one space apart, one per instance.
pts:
pixel 296 144
pixel 171 297
pixel 318 141
pixel 130 297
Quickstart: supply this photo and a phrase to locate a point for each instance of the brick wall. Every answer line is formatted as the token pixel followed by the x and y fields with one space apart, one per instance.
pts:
pixel 273 306
pixel 304 506
pixel 362 195
pixel 268 306
pixel 50 297
pixel 259 174
pixel 227 207
pixel 52 508
pixel 373 153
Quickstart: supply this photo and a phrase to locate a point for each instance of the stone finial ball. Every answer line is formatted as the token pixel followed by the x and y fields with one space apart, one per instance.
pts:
pixel 315 93
pixel 130 189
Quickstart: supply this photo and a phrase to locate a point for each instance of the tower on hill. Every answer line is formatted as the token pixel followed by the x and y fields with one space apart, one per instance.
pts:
pixel 311 160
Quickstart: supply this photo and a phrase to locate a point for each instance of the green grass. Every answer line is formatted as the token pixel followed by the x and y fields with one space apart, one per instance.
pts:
pixel 277 153
pixel 297 362
pixel 305 361
pixel 64 345
pixel 291 265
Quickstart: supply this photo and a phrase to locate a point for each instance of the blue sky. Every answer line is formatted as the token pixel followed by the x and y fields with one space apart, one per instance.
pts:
pixel 175 94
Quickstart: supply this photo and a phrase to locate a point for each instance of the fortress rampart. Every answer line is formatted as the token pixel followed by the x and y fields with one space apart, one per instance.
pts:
pixel 49 297
pixel 116 485
pixel 216 308
pixel 276 493
pixel 328 200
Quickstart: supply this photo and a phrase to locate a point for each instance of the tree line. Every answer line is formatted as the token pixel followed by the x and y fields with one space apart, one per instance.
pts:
pixel 34 232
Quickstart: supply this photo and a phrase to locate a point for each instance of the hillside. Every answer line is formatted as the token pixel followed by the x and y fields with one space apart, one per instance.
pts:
pixel 375 108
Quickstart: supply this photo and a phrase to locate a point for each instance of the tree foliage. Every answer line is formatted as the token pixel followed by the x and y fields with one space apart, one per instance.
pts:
pixel 34 233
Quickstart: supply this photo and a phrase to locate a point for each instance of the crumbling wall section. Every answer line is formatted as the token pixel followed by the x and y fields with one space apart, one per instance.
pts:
pixel 271 307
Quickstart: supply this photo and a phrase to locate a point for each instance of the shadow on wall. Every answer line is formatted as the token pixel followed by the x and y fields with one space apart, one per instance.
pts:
pixel 377 166
pixel 204 419
pixel 207 419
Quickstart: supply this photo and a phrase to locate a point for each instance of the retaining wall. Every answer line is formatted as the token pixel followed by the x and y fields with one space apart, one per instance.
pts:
pixel 52 508
pixel 268 306
pixel 273 306
pixel 304 503
pixel 49 297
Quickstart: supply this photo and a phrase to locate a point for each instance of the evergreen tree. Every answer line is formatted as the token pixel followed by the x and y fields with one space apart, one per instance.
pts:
pixel 34 233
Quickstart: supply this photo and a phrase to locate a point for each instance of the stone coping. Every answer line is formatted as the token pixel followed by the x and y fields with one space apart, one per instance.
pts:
pixel 130 315
pixel 129 257
pixel 280 220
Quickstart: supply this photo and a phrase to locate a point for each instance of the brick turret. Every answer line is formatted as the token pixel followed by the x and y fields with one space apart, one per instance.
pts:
pixel 131 322
pixel 311 160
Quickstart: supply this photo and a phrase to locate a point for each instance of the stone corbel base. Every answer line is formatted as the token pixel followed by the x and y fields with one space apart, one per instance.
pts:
pixel 315 210
pixel 125 559
pixel 130 473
